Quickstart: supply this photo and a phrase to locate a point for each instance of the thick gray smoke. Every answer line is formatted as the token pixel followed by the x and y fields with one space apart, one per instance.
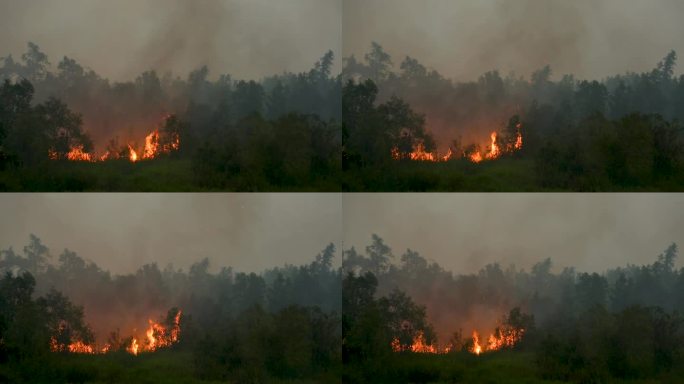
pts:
pixel 121 39
pixel 464 232
pixel 121 232
pixel 463 39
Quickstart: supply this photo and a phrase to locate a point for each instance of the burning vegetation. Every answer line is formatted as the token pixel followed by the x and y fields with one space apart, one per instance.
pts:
pixel 505 336
pixel 494 150
pixel 281 325
pixel 282 132
pixel 156 144
pixel 620 133
pixel 574 327
pixel 158 335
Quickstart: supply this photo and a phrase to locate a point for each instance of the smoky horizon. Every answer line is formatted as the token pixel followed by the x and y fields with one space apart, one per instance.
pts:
pixel 465 232
pixel 245 39
pixel 463 40
pixel 122 232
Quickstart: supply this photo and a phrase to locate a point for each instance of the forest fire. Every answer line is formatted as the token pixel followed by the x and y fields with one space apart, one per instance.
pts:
pixel 77 154
pixel 156 143
pixel 501 338
pixel 157 336
pixel 132 155
pixel 475 155
pixel 477 348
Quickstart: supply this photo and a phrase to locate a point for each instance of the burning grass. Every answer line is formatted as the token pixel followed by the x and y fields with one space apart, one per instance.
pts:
pixel 503 337
pixel 156 336
pixel 473 153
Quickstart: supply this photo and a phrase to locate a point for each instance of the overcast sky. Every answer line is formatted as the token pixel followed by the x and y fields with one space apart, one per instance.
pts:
pixel 121 232
pixel 464 232
pixel 464 38
pixel 120 39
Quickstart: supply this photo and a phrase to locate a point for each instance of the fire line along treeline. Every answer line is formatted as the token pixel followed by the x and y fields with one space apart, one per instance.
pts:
pixel 413 321
pixel 67 128
pixel 62 318
pixel 407 127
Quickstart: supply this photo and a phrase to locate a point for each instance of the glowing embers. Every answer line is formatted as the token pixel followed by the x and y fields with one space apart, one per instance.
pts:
pixel 157 336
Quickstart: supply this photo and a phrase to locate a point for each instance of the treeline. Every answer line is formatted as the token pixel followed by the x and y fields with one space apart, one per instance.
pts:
pixel 111 107
pixel 624 323
pixel 623 132
pixel 279 132
pixel 296 307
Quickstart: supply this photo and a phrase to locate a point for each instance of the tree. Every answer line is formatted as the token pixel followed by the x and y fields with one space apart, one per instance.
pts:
pixel 64 321
pixel 36 255
pixel 405 320
pixel 35 63
pixel 379 255
pixel 379 63
pixel 591 290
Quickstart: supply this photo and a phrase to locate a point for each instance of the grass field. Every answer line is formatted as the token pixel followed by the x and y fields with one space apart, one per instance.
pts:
pixel 166 366
pixel 494 367
pixel 415 176
pixel 509 174
pixel 178 175
pixel 158 175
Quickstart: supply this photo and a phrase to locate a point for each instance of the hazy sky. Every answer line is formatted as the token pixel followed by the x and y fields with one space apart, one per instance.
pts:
pixel 121 232
pixel 464 232
pixel 464 38
pixel 120 39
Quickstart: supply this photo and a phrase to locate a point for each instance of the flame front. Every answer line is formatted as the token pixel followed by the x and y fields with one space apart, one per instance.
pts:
pixel 132 154
pixel 419 345
pixel 477 348
pixel 153 148
pixel 518 138
pixel 157 336
pixel 494 150
pixel 151 145
pixel 133 348
pixel 77 154
pixel 501 338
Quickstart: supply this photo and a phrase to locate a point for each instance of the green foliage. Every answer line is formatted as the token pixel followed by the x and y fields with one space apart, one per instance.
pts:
pixel 571 144
pixel 293 343
pixel 225 333
pixel 624 324
pixel 635 343
pixel 216 130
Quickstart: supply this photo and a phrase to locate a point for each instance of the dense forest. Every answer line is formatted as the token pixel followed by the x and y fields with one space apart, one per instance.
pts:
pixel 409 320
pixel 407 127
pixel 64 319
pixel 67 128
pixel 376 126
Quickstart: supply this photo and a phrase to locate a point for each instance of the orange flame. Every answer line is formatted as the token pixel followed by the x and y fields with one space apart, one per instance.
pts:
pixel 77 154
pixel 477 348
pixel 494 150
pixel 132 155
pixel 476 157
pixel 518 139
pixel 151 150
pixel 419 345
pixel 133 348
pixel 157 336
pixel 502 338
pixel 151 145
